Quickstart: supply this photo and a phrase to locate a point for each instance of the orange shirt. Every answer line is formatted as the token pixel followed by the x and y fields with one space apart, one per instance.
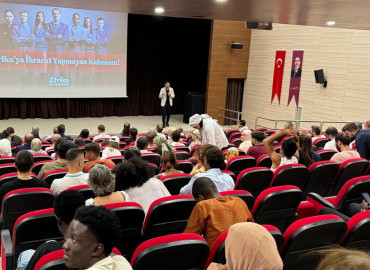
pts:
pixel 106 162
pixel 212 217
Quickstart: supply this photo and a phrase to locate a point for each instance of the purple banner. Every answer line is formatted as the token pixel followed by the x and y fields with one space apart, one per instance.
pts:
pixel 295 76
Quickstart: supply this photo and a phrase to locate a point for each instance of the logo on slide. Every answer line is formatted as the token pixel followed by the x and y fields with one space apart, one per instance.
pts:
pixel 58 81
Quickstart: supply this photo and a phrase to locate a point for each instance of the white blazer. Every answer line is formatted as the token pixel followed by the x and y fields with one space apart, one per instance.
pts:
pixel 164 97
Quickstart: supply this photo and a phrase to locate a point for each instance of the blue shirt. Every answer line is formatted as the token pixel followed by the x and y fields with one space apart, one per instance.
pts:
pixel 363 143
pixel 223 181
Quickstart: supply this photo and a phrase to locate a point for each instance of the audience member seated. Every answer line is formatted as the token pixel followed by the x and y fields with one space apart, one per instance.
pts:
pixel 61 162
pixel 101 133
pixel 102 182
pixel 112 149
pixel 176 136
pixel 126 129
pixel 5 148
pixel 65 206
pixel 142 144
pixel 79 142
pixel 27 143
pixel 367 125
pixel 12 132
pixel 36 147
pixel 181 130
pixel 288 125
pixel 213 214
pixel 346 259
pixel 36 131
pixel 55 131
pixel 5 135
pixel 150 135
pixel 241 126
pixel 92 153
pixel 331 132
pixel 362 139
pixel 200 155
pixel 170 130
pixel 316 131
pixel 133 177
pixel 131 152
pixel 304 131
pixel 249 246
pixel 195 134
pixel 61 130
pixel 162 145
pixel 133 134
pixel 342 143
pixel 75 176
pixel 287 151
pixel 15 141
pixel 169 164
pixel 23 164
pixel 54 139
pixel 246 140
pixel 305 154
pixel 84 134
pixel 213 164
pixel 257 149
pixel 231 153
pixel 158 130
pixel 93 233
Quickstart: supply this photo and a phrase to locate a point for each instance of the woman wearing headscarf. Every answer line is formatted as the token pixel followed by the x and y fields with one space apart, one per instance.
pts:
pixel 246 137
pixel 230 153
pixel 249 246
pixel 162 145
pixel 5 148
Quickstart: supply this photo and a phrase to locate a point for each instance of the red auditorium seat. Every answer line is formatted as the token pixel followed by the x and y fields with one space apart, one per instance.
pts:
pixel 307 235
pixel 46 145
pixel 234 135
pixel 185 166
pixel 38 165
pixel 264 161
pixel 236 142
pixel 85 190
pixel 7 168
pixel 246 196
pixel 276 233
pixel 181 155
pixel 321 176
pixel 52 175
pixel 349 169
pixel 122 144
pixel 168 215
pixel 291 174
pixel 194 148
pixel 269 132
pixel 319 143
pixel 41 223
pixel 237 164
pixel 254 180
pixel 262 129
pixel 277 148
pixel 227 147
pixel 182 148
pixel 21 201
pixel 277 206
pixel 131 216
pixel 358 228
pixel 7 160
pixel 175 182
pixel 152 158
pixel 231 131
pixel 233 176
pixel 217 253
pixel 5 178
pixel 185 251
pixel 41 157
pixel 283 139
pixel 50 151
pixel 102 139
pixel 116 159
pixel 326 154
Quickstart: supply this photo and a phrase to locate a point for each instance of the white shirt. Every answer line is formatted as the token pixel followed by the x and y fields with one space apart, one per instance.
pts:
pixel 69 180
pixel 177 144
pixel 100 136
pixel 212 133
pixel 285 161
pixel 330 145
pixel 116 262
pixel 110 152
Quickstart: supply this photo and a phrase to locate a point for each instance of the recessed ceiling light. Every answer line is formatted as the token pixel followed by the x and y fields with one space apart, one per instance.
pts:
pixel 159 10
pixel 330 23
pixel 221 1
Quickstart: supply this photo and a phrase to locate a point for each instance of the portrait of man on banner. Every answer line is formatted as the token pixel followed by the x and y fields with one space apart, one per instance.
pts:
pixel 297 71
pixel 295 76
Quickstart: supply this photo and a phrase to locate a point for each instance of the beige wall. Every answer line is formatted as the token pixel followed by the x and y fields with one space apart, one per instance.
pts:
pixel 344 54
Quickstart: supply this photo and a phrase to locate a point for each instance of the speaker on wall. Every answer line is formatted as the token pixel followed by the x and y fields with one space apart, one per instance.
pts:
pixel 320 78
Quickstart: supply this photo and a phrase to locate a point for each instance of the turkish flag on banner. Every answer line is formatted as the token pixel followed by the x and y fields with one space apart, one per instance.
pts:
pixel 278 74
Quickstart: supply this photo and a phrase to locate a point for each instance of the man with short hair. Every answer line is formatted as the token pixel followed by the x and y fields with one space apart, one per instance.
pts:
pixel 142 145
pixel 213 163
pixel 166 94
pixel 36 131
pixel 22 35
pixel 75 176
pixel 315 133
pixel 257 149
pixel 10 131
pixel 92 151
pixel 56 32
pixel 61 162
pixel 131 152
pixel 101 37
pixel 150 135
pixel 158 130
pixel 176 136
pixel 61 130
pixel 133 134
pixel 23 163
pixel 362 138
pixel 27 145
pixel 331 132
pixel 101 133
pixel 93 233
pixel 205 219
pixel 65 206
pixel 242 126
pixel 342 143
pixel 367 125
pixel 54 139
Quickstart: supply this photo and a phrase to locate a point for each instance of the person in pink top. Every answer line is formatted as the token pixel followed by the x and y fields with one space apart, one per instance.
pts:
pixel 342 142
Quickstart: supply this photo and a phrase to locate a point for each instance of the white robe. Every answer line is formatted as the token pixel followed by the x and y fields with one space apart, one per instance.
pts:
pixel 212 133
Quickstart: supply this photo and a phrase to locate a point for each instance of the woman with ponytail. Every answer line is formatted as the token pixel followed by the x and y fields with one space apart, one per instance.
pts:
pixel 169 164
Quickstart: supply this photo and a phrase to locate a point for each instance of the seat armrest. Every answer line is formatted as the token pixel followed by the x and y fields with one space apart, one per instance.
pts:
pixel 319 201
pixel 7 248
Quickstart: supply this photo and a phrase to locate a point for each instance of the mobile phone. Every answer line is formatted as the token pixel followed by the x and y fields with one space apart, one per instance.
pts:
pixel 366 197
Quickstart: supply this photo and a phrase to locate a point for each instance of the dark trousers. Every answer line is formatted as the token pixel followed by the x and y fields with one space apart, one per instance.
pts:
pixel 166 111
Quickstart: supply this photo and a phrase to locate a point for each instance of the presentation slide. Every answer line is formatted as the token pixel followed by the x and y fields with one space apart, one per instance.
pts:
pixel 53 52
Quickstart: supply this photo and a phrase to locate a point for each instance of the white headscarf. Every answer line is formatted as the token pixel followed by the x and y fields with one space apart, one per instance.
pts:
pixel 5 148
pixel 196 119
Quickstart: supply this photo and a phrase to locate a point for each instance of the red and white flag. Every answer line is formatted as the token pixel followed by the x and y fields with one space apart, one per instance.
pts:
pixel 278 74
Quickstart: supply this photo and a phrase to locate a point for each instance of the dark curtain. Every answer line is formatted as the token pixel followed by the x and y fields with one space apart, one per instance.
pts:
pixel 234 100
pixel 158 49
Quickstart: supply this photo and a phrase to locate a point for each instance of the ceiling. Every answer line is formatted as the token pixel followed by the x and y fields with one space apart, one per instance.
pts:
pixel 347 13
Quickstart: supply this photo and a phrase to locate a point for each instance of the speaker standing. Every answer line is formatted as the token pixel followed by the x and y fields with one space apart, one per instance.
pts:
pixel 166 95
